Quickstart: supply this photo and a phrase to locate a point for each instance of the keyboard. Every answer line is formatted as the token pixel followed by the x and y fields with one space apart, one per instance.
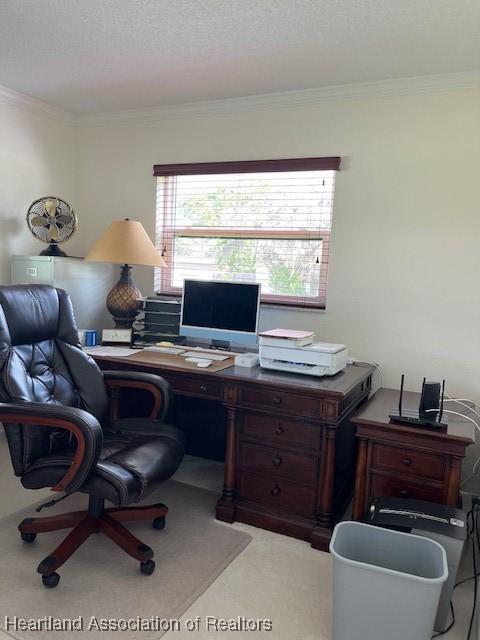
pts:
pixel 205 355
pixel 168 350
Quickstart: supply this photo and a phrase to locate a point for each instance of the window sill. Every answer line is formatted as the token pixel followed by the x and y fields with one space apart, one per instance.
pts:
pixel 291 307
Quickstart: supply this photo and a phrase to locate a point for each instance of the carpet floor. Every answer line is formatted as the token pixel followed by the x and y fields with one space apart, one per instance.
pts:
pixel 101 582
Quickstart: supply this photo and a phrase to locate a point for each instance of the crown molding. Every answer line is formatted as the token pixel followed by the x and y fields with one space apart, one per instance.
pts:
pixel 305 97
pixel 33 105
pixel 263 102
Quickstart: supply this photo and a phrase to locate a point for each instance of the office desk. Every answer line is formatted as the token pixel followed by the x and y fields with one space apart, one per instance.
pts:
pixel 290 447
pixel 395 460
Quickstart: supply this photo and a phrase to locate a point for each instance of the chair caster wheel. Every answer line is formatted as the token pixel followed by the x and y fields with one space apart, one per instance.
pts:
pixel 29 537
pixel 147 568
pixel 51 581
pixel 159 523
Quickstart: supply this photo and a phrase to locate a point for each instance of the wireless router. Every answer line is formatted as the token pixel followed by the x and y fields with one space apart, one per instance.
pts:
pixel 430 409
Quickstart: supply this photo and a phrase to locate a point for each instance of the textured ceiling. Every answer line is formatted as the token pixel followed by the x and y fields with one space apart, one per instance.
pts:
pixel 89 56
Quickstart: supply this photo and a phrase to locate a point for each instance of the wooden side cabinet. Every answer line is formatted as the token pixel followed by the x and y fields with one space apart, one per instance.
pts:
pixel 290 456
pixel 401 461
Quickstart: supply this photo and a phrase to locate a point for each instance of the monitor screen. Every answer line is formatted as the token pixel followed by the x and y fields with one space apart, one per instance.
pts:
pixel 224 306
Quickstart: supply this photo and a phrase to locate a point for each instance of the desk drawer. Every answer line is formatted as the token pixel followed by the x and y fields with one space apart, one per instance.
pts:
pixel 389 487
pixel 282 401
pixel 279 493
pixel 196 387
pixel 278 463
pixel 282 432
pixel 408 461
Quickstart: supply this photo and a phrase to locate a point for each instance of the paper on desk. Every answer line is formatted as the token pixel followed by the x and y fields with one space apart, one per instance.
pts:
pixel 116 352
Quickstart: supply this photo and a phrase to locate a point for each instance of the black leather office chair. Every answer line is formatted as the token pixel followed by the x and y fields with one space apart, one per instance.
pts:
pixel 60 417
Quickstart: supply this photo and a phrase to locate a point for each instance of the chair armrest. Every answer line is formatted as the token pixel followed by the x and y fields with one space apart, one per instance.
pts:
pixel 85 428
pixel 156 385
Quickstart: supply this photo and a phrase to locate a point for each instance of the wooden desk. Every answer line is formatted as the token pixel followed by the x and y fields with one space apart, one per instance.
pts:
pixel 401 461
pixel 290 447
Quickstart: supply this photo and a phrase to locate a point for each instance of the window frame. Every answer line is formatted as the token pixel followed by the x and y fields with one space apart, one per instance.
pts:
pixel 169 232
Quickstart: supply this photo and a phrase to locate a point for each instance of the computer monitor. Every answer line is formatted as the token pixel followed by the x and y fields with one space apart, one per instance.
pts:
pixel 220 311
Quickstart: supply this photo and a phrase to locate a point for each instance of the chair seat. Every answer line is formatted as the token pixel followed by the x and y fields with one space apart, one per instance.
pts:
pixel 132 463
pixel 146 426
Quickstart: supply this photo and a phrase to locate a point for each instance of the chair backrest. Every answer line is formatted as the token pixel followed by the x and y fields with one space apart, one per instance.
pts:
pixel 41 360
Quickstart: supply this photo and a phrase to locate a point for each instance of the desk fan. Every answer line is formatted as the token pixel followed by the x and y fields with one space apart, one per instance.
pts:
pixel 52 221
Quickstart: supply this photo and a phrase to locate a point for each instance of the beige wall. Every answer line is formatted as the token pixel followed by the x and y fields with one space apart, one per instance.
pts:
pixel 37 156
pixel 403 285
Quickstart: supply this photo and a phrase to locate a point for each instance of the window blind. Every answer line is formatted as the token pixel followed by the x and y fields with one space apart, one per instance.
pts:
pixel 261 221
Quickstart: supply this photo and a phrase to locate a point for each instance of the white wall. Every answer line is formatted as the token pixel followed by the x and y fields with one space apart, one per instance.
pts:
pixel 405 266
pixel 37 157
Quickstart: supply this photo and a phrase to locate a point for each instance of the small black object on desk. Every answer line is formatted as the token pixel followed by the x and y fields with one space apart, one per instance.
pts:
pixel 430 408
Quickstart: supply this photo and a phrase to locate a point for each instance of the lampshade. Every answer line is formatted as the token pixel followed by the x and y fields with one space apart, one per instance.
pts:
pixel 125 242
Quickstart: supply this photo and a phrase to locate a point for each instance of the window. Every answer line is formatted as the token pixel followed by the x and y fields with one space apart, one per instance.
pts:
pixel 262 221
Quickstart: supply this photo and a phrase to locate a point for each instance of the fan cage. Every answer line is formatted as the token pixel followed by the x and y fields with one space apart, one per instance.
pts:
pixel 56 228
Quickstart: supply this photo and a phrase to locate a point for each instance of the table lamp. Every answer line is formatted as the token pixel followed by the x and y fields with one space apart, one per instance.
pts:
pixel 127 243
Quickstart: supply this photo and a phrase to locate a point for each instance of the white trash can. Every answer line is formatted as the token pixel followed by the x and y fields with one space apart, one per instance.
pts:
pixel 386 584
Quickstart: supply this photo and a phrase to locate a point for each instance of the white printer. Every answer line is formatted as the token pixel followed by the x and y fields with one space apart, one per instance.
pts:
pixel 300 354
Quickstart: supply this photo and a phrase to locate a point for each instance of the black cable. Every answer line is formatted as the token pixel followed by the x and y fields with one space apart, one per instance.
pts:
pixel 472 526
pixel 475 520
pixel 467 579
pixel 51 503
pixel 469 533
pixel 477 533
pixel 440 633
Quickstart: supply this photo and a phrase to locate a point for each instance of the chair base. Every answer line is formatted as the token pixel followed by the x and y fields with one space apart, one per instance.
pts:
pixel 84 523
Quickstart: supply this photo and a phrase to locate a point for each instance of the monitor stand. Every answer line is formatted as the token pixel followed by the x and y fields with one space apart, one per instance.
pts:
pixel 221 345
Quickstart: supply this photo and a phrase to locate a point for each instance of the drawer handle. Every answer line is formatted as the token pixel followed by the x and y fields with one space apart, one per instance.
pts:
pixel 203 387
pixel 407 462
pixel 277 400
pixel 276 490
pixel 279 430
pixel 277 460
pixel 404 493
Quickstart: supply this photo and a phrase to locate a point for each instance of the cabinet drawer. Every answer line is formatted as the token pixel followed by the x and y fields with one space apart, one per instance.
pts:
pixel 196 387
pixel 278 463
pixel 282 432
pixel 389 487
pixel 278 493
pixel 281 400
pixel 408 461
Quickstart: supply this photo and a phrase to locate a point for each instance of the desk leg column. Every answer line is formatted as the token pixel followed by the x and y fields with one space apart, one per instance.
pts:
pixel 360 481
pixel 453 482
pixel 321 533
pixel 226 505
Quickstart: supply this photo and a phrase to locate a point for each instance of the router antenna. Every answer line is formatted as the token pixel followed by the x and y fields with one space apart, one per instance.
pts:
pixel 401 395
pixel 440 415
pixel 423 392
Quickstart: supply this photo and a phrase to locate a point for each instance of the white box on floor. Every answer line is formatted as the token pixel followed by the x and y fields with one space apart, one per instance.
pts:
pixel 247 360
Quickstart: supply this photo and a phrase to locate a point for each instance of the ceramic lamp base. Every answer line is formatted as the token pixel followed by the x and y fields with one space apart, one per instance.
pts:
pixel 123 300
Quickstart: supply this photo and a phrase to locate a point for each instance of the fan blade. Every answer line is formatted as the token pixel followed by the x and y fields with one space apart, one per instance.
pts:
pixel 53 232
pixel 50 207
pixel 38 221
pixel 64 218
